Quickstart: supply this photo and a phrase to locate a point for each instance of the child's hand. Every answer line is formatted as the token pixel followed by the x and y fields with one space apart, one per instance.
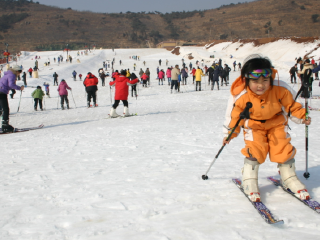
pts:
pixel 224 142
pixel 307 122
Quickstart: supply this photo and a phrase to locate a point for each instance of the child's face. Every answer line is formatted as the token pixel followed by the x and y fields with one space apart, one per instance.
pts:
pixel 259 86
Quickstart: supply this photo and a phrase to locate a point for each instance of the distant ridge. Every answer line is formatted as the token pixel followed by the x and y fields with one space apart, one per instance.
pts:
pixel 32 26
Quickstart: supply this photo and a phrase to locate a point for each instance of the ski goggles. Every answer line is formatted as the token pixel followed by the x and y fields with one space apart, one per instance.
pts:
pixel 255 74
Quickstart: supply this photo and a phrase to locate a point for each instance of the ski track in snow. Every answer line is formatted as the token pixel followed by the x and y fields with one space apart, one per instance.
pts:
pixel 87 177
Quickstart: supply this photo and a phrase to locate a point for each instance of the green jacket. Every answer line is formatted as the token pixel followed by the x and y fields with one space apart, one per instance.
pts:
pixel 38 93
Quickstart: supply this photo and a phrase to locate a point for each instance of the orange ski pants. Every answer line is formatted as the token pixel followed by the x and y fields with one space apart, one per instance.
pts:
pixel 266 137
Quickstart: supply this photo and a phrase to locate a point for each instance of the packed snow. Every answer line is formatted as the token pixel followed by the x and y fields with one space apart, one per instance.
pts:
pixel 84 176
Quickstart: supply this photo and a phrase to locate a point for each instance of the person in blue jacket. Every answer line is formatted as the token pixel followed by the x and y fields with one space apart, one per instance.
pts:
pixel 74 73
pixel 8 82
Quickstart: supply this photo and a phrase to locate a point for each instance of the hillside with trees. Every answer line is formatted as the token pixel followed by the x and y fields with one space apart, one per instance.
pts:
pixel 28 25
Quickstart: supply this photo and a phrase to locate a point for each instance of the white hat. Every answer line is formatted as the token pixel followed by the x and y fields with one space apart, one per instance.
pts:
pixel 16 68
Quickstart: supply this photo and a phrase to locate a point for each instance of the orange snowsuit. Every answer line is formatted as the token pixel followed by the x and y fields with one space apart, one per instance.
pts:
pixel 266 130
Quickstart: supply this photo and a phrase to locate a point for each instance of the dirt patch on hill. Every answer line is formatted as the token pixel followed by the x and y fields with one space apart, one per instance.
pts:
pixel 190 57
pixel 176 51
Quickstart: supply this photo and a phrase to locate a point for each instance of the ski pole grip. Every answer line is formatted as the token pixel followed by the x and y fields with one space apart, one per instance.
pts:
pixel 245 113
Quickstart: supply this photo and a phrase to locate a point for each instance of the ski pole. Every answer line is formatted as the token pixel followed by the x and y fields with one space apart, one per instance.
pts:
pixel 110 96
pixel 307 174
pixel 307 82
pixel 73 98
pixel 244 115
pixel 96 93
pixel 58 102
pixel 19 102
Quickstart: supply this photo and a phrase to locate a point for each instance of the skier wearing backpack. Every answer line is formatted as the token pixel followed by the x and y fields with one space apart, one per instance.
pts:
pixel 121 84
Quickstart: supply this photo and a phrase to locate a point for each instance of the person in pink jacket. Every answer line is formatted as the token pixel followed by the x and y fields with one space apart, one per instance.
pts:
pixel 161 76
pixel 62 89
pixel 168 73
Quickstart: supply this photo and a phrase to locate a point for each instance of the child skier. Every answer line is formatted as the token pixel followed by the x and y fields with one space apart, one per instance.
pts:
pixel 46 85
pixel 144 78
pixel 38 95
pixel 266 130
pixel 122 91
pixel 62 89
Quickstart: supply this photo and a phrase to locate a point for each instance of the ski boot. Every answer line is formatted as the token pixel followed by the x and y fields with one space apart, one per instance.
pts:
pixel 6 127
pixel 68 106
pixel 88 104
pixel 113 113
pixel 290 180
pixel 126 111
pixel 250 179
pixel 62 107
pixel 95 105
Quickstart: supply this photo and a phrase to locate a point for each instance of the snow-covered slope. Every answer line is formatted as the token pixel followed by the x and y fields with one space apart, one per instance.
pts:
pixel 88 177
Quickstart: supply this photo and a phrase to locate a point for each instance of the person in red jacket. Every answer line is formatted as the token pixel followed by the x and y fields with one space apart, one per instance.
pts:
pixel 91 82
pixel 144 78
pixel 121 84
pixel 115 75
pixel 193 72
pixel 30 71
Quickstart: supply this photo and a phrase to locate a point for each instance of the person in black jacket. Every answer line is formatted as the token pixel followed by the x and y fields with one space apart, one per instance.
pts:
pixel 228 70
pixel 24 78
pixel 224 74
pixel 216 74
pixel 133 87
pixel 292 72
pixel 55 79
pixel 210 72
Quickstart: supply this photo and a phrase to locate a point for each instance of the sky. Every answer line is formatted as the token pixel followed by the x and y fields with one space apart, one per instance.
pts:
pixel 116 6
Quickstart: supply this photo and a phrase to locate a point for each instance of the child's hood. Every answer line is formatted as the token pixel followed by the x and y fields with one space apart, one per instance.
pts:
pixel 237 86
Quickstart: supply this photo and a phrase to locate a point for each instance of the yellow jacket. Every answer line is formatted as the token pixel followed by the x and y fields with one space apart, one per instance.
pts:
pixel 198 74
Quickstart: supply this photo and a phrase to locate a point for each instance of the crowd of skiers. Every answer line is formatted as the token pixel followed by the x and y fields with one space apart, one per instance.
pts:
pixel 179 76
pixel 217 73
pixel 300 66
